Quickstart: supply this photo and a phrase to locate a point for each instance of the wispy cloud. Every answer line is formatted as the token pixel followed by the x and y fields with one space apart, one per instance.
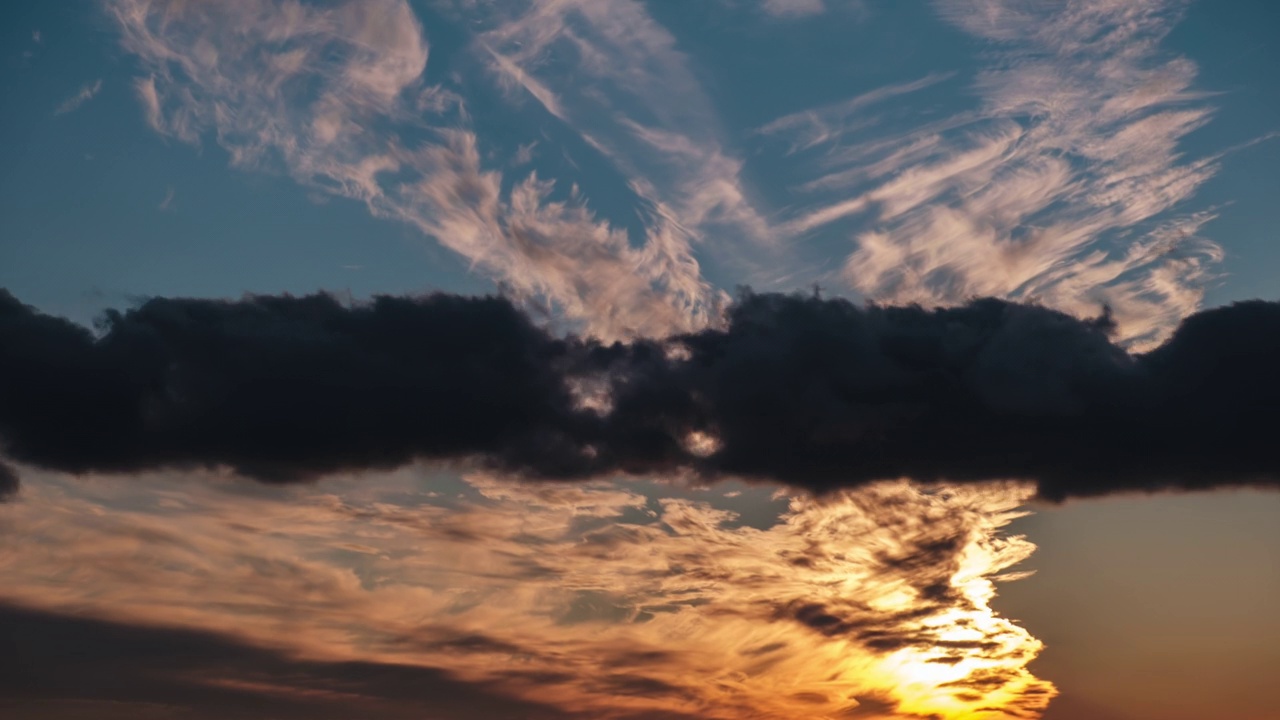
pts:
pixel 145 89
pixel 1065 184
pixel 602 601
pixel 815 126
pixel 794 8
pixel 335 97
pixel 85 94
pixel 1059 187
pixel 614 75
pixel 524 154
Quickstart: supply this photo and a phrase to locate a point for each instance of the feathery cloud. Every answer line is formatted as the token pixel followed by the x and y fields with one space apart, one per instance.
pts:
pixel 74 102
pixel 1062 186
pixel 615 76
pixel 576 601
pixel 335 97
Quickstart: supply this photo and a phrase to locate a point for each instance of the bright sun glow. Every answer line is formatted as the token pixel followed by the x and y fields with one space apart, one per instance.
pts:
pixel 871 603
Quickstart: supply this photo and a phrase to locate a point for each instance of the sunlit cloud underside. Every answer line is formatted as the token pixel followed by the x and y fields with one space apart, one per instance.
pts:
pixel 638 600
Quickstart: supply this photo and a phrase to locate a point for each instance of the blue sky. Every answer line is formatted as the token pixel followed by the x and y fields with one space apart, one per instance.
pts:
pixel 621 167
pixel 895 151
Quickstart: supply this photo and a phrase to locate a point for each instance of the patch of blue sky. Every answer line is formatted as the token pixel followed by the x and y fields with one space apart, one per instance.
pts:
pixel 1233 46
pixel 99 211
pixel 763 141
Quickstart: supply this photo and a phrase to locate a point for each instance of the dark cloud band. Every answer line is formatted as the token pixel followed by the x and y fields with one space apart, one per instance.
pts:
pixel 817 393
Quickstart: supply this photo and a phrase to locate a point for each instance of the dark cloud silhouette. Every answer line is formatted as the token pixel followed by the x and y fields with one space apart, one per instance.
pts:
pixel 56 666
pixel 9 482
pixel 882 632
pixel 871 707
pixel 824 393
pixel 283 388
pixel 818 393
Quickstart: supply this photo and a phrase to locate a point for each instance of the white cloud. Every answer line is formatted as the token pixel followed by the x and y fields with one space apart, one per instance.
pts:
pixel 1057 187
pixel 613 74
pixel 554 249
pixel 824 124
pixel 524 154
pixel 512 73
pixel 1061 187
pixel 84 95
pixel 334 96
pixel 145 89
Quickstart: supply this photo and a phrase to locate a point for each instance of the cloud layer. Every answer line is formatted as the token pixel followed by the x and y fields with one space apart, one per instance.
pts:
pixel 85 94
pixel 1058 178
pixel 1057 187
pixel 816 393
pixel 501 599
pixel 336 97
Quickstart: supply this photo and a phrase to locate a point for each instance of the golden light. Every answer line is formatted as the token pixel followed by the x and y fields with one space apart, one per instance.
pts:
pixel 874 601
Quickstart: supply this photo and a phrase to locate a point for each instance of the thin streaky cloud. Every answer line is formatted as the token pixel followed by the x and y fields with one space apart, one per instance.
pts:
pixel 334 106
pixel 145 89
pixel 603 601
pixel 818 125
pixel 512 72
pixel 619 80
pixel 1064 186
pixel 85 94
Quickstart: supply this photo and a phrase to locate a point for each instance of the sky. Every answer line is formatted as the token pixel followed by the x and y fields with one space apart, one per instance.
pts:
pixel 639 359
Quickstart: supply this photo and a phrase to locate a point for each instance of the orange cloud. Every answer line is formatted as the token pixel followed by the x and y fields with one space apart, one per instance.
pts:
pixel 606 600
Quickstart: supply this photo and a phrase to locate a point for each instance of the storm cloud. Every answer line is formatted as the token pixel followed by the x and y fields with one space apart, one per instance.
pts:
pixel 817 393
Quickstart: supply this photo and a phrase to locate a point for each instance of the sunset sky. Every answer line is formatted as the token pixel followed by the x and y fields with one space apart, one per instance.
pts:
pixel 639 359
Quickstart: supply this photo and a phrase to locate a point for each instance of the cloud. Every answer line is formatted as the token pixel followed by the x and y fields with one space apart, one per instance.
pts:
pixel 819 394
pixel 335 96
pixel 145 89
pixel 1063 186
pixel 794 8
pixel 585 601
pixel 815 126
pixel 62 663
pixel 9 482
pixel 615 76
pixel 85 94
pixel 146 397
pixel 557 249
